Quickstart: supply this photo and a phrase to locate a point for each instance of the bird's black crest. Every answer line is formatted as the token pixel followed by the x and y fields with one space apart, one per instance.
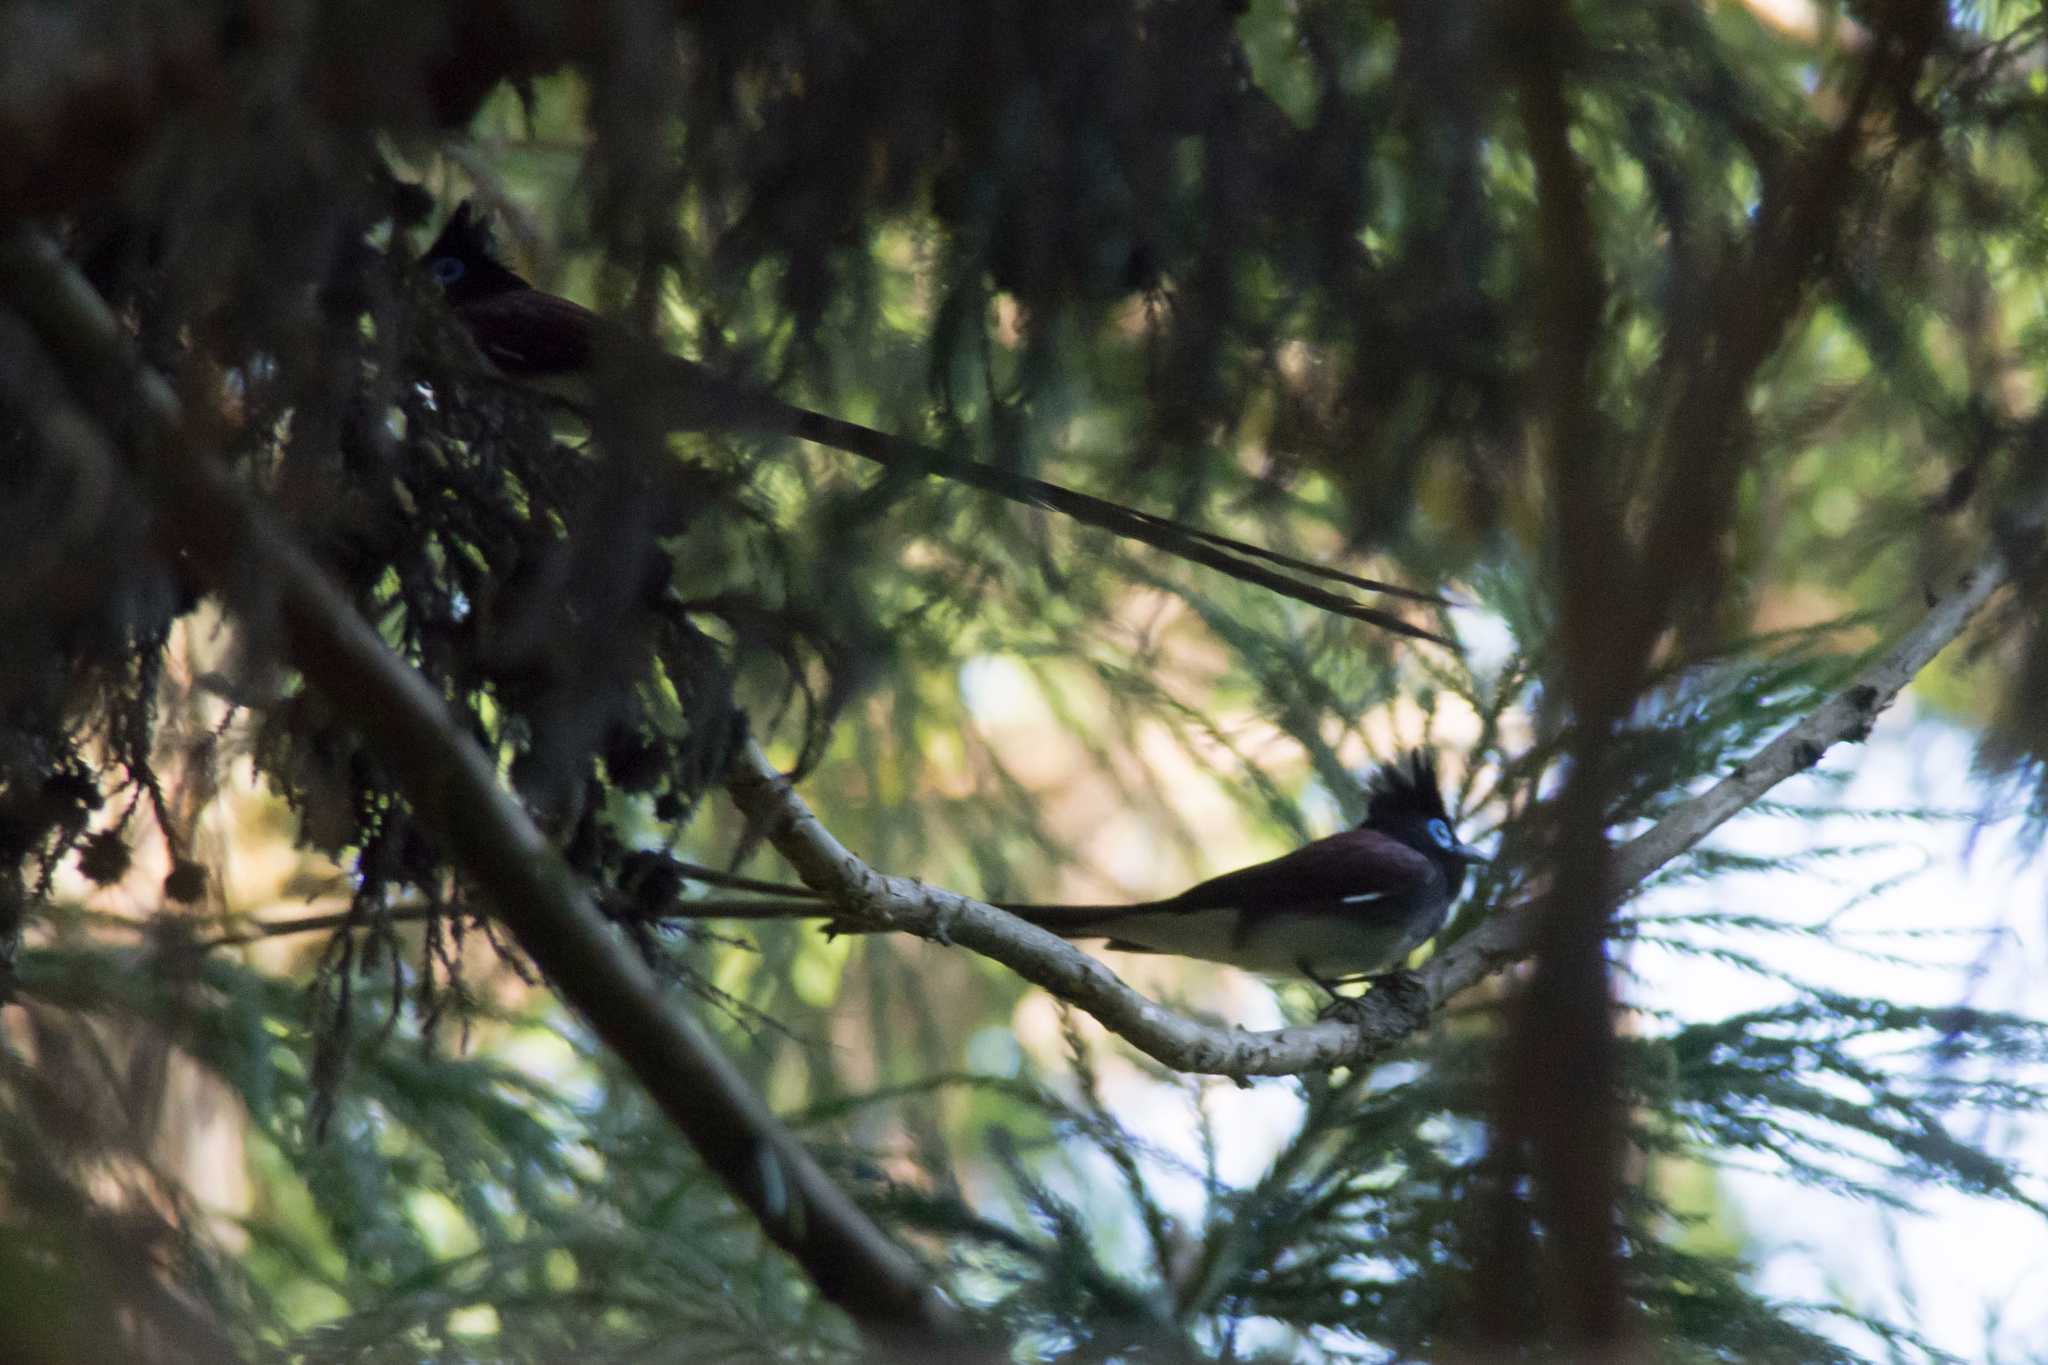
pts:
pixel 465 252
pixel 1405 787
pixel 466 233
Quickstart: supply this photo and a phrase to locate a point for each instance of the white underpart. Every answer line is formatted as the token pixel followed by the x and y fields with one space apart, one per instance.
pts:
pixel 1324 944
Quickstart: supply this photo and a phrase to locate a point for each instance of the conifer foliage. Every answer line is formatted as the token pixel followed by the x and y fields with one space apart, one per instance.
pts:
pixel 1112 425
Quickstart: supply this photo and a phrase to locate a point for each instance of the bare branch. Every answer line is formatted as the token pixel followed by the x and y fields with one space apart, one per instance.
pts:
pixel 872 900
pixel 1848 715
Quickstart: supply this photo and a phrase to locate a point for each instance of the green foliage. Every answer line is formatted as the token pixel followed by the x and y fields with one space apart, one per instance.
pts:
pixel 1272 268
pixel 524 1203
pixel 1354 1242
pixel 453 1208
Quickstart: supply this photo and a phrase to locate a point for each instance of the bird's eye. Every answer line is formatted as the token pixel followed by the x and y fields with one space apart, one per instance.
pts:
pixel 1441 832
pixel 446 270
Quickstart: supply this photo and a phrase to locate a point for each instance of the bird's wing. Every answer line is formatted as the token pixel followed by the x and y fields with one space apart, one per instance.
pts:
pixel 559 346
pixel 1359 866
pixel 529 334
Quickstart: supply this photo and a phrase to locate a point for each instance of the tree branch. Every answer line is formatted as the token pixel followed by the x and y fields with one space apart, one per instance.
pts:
pixel 876 901
pixel 452 786
pixel 852 891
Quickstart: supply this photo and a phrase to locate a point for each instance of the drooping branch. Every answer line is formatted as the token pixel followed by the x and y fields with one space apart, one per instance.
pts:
pixel 222 535
pixel 870 899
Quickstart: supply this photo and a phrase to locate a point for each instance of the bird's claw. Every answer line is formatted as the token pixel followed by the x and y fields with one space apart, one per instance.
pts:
pixel 1406 992
pixel 1400 981
pixel 1348 1009
pixel 1403 986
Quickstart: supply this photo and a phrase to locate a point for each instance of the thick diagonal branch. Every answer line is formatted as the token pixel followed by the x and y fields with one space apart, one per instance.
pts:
pixel 453 788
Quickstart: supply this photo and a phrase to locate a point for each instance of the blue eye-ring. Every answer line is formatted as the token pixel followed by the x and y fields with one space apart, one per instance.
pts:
pixel 446 270
pixel 1440 831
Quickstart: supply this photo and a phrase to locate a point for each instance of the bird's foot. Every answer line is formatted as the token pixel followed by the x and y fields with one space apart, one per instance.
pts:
pixel 1403 987
pixel 1406 993
pixel 1346 1009
pixel 1340 1006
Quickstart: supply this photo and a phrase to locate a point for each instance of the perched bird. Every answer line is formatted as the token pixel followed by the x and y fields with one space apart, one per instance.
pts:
pixel 529 334
pixel 543 341
pixel 1347 906
pixel 547 342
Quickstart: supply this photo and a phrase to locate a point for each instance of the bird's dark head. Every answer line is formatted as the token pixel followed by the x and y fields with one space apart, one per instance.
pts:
pixel 461 261
pixel 1403 800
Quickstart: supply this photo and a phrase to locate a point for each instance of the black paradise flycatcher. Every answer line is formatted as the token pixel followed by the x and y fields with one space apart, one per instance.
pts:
pixel 1349 906
pixel 543 341
pixel 532 336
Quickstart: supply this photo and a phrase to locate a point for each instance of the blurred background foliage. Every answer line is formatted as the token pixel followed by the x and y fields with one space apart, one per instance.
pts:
pixel 1270 268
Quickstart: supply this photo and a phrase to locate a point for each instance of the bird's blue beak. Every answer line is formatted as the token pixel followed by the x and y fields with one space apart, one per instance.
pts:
pixel 1468 853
